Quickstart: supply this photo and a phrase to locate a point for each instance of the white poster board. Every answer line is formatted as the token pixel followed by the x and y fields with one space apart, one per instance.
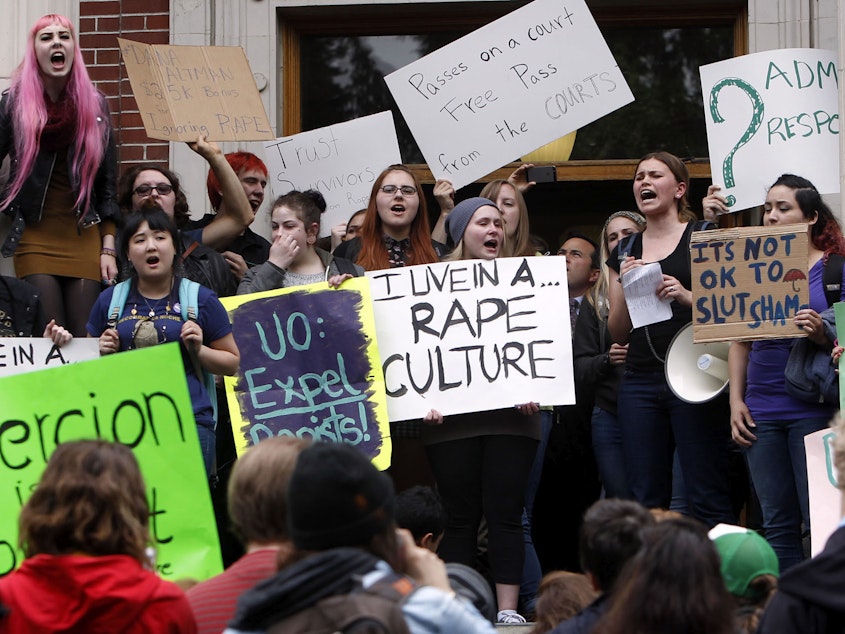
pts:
pixel 473 335
pixel 340 161
pixel 25 354
pixel 824 495
pixel 528 78
pixel 768 114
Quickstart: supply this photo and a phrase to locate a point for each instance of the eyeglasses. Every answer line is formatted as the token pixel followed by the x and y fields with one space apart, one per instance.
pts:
pixel 145 190
pixel 407 190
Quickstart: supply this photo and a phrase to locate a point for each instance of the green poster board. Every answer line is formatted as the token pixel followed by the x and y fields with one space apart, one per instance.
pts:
pixel 138 398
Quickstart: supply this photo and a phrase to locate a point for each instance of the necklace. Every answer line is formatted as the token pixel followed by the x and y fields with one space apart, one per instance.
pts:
pixel 152 309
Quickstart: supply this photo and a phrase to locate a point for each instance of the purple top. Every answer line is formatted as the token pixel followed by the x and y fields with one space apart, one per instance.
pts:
pixel 765 394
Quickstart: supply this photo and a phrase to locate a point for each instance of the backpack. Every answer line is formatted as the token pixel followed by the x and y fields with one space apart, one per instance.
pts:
pixel 189 302
pixel 373 610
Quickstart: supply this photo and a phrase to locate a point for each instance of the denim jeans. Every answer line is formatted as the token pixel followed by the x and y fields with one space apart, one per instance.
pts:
pixel 778 466
pixel 208 441
pixel 610 457
pixel 654 423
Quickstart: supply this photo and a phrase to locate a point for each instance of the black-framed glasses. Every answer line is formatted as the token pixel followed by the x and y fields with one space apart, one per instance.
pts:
pixel 407 190
pixel 145 190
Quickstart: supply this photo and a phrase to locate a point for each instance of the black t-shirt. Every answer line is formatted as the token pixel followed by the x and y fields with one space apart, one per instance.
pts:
pixel 650 342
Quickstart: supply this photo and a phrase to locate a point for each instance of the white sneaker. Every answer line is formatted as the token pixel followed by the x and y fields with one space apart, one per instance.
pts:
pixel 511 617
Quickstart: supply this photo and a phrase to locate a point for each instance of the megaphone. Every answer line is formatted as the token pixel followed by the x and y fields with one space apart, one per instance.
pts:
pixel 696 372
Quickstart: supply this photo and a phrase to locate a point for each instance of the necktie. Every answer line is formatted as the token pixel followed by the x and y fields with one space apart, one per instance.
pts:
pixel 573 313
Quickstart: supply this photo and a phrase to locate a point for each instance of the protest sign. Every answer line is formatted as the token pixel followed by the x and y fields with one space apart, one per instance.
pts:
pixel 772 113
pixel 309 368
pixel 825 495
pixel 748 282
pixel 25 354
pixel 473 335
pixel 138 398
pixel 530 77
pixel 185 91
pixel 340 161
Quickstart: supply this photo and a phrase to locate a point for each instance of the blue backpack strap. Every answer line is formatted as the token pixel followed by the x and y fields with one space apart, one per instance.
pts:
pixel 118 302
pixel 189 301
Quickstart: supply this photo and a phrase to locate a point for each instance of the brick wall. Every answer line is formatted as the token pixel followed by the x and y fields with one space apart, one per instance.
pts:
pixel 101 22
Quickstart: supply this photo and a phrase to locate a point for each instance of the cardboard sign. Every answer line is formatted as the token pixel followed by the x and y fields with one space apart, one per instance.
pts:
pixel 748 283
pixel 825 496
pixel 309 368
pixel 340 161
pixel 116 398
pixel 185 91
pixel 25 354
pixel 526 79
pixel 473 335
pixel 772 113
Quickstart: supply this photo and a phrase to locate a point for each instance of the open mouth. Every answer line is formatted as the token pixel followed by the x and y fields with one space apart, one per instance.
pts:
pixel 57 59
pixel 398 208
pixel 255 204
pixel 491 244
pixel 153 259
pixel 647 194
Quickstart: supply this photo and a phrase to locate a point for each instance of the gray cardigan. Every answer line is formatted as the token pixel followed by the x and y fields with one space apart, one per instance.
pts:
pixel 268 276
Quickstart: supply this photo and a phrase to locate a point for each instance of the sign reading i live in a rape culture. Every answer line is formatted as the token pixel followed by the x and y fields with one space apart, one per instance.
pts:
pixel 748 282
pixel 138 398
pixel 532 76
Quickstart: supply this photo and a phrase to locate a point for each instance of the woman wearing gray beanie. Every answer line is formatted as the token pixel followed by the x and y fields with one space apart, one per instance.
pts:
pixel 481 460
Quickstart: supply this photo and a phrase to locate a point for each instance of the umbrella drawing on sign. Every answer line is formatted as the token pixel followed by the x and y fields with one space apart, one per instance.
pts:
pixel 792 275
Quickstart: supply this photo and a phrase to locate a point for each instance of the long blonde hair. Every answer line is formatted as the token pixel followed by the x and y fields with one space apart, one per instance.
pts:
pixel 597 295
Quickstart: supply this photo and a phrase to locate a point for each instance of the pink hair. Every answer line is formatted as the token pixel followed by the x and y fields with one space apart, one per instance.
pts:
pixel 30 115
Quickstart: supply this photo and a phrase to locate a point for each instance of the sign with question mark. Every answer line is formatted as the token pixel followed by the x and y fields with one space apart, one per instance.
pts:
pixel 768 114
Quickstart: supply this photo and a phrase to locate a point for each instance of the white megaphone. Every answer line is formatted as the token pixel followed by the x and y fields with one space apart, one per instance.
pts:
pixel 696 372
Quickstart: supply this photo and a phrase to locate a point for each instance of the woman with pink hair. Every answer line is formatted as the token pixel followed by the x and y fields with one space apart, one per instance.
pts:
pixel 55 128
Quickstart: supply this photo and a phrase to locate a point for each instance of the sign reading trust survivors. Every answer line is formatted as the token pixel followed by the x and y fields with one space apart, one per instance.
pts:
pixel 526 79
pixel 138 398
pixel 772 113
pixel 185 91
pixel 473 335
pixel 309 368
pixel 748 282
pixel 340 161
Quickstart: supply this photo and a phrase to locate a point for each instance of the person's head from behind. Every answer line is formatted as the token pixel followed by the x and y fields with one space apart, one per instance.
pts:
pixel 750 570
pixel 561 595
pixel 420 510
pixel 91 499
pixel 296 216
pixel 672 585
pixel 476 228
pixel 511 203
pixel 611 534
pixel 792 199
pixel 149 183
pixel 337 498
pixel 354 224
pixel 251 172
pixel 257 494
pixel 150 243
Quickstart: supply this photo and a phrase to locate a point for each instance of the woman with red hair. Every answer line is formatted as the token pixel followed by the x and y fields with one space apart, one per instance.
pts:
pixel 55 128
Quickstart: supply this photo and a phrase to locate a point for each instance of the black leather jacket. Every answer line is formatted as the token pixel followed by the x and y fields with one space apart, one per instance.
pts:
pixel 27 206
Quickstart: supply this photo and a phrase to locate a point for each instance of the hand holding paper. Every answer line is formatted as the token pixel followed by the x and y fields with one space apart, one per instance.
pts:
pixel 640 285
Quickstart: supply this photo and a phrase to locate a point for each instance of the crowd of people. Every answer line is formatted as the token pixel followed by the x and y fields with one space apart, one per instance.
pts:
pixel 477 521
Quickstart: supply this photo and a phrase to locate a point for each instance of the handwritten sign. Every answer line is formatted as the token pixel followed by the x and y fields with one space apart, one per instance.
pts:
pixel 115 398
pixel 25 354
pixel 768 114
pixel 748 283
pixel 473 335
pixel 528 78
pixel 825 496
pixel 309 368
pixel 640 287
pixel 340 161
pixel 185 91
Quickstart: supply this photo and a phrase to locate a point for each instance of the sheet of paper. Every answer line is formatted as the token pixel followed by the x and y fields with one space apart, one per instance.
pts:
pixel 640 286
